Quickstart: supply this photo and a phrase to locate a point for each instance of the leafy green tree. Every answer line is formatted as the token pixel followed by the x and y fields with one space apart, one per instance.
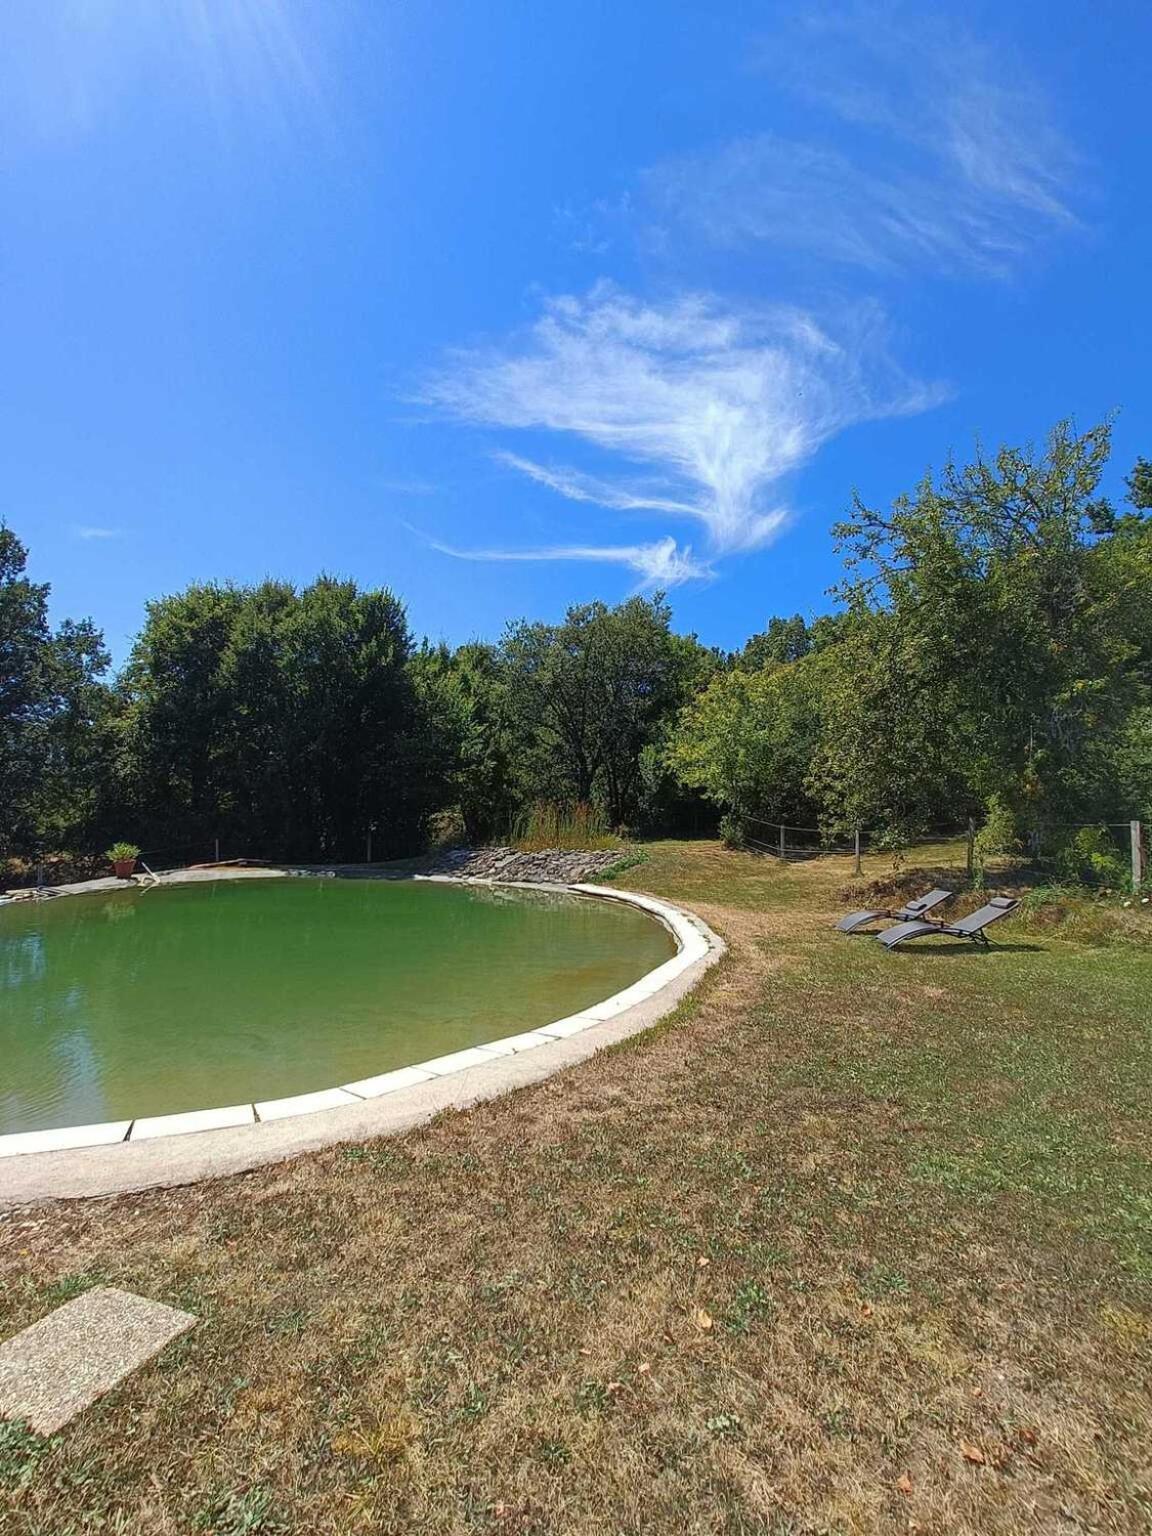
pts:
pixel 24 688
pixel 747 740
pixel 886 758
pixel 54 712
pixel 783 640
pixel 283 721
pixel 75 806
pixel 590 694
pixel 467 720
pixel 1139 485
pixel 1133 766
pixel 999 656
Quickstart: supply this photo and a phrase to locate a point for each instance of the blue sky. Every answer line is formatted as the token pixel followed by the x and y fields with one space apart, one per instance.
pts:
pixel 508 306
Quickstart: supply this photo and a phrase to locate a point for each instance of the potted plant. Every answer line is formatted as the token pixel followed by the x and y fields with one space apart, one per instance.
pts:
pixel 122 857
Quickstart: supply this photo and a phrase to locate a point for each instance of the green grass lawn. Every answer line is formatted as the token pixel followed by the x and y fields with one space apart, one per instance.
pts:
pixel 855 1242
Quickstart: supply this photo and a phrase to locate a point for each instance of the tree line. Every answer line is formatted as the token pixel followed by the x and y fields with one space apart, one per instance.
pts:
pixel 989 656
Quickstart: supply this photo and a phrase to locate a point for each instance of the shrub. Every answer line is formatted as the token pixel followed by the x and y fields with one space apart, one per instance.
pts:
pixel 995 838
pixel 446 829
pixel 732 833
pixel 1092 858
pixel 119 851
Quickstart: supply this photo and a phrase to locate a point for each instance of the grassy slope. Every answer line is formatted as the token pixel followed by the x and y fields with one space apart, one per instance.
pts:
pixel 857 1243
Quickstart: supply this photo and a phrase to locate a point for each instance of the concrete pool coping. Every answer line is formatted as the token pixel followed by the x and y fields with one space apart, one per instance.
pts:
pixel 125 1155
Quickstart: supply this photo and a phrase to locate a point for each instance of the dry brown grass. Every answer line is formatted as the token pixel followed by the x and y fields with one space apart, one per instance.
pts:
pixel 855 1243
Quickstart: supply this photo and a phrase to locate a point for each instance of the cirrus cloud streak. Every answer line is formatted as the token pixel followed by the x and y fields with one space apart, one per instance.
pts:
pixel 930 149
pixel 713 404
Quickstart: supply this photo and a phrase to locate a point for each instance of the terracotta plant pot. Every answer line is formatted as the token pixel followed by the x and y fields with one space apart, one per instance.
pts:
pixel 124 869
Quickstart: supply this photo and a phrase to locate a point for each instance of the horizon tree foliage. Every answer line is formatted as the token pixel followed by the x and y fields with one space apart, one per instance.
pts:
pixel 991 657
pixel 589 695
pixel 1003 628
pixel 469 745
pixel 282 721
pixel 54 713
pixel 788 639
pixel 747 740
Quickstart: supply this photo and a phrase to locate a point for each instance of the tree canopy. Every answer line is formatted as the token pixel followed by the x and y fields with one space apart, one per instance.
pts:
pixel 54 714
pixel 990 655
pixel 994 642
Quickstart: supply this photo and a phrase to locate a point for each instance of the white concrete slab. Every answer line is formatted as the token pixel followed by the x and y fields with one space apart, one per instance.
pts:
pixel 306 1103
pixel 511 1045
pixel 388 1082
pixel 59 1366
pixel 458 1061
pixel 193 1120
pixel 565 1027
pixel 65 1139
pixel 611 1006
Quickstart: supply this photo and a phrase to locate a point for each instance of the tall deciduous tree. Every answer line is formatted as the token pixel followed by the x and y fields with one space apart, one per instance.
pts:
pixel 999 644
pixel 589 695
pixel 747 740
pixel 53 715
pixel 470 748
pixel 281 720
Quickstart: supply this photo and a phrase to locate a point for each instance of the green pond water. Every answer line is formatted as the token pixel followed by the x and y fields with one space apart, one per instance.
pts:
pixel 225 992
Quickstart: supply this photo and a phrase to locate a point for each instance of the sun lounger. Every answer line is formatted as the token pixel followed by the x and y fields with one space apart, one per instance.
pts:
pixel 906 913
pixel 971 927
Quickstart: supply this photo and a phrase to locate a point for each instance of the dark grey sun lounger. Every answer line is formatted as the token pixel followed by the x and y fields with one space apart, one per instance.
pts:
pixel 909 911
pixel 971 927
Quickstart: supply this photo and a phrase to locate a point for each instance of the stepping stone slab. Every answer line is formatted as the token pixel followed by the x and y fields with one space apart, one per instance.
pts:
pixel 59 1366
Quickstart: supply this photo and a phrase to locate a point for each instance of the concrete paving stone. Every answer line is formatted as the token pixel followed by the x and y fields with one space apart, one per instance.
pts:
pixel 474 1056
pixel 611 1006
pixel 305 1103
pixel 388 1082
pixel 59 1366
pixel 66 1139
pixel 514 1044
pixel 193 1120
pixel 565 1027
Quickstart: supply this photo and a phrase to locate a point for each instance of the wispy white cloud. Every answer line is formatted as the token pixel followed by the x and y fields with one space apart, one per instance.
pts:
pixel 717 403
pixel 577 486
pixel 659 564
pixel 952 158
pixel 87 531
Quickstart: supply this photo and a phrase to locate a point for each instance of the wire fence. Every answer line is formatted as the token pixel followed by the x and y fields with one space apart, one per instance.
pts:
pixel 782 840
pixel 1122 843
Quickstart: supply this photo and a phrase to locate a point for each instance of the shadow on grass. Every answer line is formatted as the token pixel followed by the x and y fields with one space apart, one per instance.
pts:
pixel 956 948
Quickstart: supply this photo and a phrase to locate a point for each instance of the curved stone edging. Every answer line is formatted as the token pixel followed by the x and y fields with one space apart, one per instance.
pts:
pixel 126 1155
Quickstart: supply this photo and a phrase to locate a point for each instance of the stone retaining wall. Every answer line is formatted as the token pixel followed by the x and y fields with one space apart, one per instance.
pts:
pixel 552 866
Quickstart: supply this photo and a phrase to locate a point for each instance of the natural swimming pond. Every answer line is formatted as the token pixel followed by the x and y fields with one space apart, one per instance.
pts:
pixel 150 1002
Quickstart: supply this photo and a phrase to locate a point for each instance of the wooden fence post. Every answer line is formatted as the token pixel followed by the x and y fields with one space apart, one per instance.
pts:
pixel 858 868
pixel 971 849
pixel 1134 830
pixel 781 840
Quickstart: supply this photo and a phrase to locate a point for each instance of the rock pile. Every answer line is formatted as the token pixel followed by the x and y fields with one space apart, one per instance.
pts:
pixel 552 866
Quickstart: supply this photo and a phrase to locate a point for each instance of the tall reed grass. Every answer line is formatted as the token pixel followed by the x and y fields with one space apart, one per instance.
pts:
pixel 580 828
